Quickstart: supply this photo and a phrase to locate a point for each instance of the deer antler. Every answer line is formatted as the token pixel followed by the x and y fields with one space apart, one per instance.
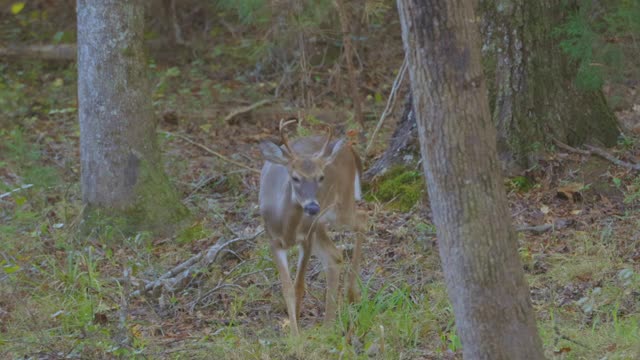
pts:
pixel 283 135
pixel 326 143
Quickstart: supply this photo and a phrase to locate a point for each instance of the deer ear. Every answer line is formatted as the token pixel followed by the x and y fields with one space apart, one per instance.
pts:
pixel 335 151
pixel 273 153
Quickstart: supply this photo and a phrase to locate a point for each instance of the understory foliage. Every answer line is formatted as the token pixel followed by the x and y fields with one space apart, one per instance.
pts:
pixel 604 38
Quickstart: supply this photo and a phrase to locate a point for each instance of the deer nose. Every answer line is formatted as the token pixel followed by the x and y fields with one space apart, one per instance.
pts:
pixel 312 208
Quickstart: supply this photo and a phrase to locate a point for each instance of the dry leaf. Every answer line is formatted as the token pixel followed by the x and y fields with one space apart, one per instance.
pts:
pixel 571 192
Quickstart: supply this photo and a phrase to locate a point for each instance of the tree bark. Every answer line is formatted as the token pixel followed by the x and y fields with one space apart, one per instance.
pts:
pixel 121 166
pixel 478 245
pixel 403 146
pixel 532 93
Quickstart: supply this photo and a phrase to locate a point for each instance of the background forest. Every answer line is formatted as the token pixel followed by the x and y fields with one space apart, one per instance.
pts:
pixel 222 74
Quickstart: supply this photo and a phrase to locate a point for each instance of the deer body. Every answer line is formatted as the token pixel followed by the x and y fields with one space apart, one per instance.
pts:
pixel 304 188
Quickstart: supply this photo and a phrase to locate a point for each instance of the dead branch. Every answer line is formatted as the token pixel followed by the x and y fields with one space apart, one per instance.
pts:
pixel 64 52
pixel 25 186
pixel 605 155
pixel 61 52
pixel 185 138
pixel 557 225
pixel 179 277
pixel 594 150
pixel 245 109
pixel 562 145
pixel 177 31
pixel 536 229
pixel 390 102
pixel 124 338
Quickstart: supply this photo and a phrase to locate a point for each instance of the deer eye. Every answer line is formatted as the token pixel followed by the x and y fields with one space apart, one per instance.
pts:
pixel 321 178
pixel 295 179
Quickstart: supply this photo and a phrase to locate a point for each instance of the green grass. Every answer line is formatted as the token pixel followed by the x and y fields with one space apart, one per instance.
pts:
pixel 62 290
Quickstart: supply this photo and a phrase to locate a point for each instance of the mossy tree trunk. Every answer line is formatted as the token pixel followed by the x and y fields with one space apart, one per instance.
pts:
pixel 532 92
pixel 122 171
pixel 477 243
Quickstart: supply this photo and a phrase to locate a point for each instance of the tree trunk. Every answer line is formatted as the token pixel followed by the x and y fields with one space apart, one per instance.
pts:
pixel 533 92
pixel 478 245
pixel 121 166
pixel 531 85
pixel 403 147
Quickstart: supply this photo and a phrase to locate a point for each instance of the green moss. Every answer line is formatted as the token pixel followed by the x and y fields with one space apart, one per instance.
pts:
pixel 191 233
pixel 157 208
pixel 399 188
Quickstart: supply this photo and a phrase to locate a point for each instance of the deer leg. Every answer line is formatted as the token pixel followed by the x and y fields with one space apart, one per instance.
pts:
pixel 303 260
pixel 331 258
pixel 280 258
pixel 353 290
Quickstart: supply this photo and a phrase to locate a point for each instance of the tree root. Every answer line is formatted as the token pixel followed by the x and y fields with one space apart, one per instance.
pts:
pixel 593 150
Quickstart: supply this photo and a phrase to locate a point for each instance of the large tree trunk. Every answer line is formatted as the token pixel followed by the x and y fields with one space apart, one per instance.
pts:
pixel 478 245
pixel 533 95
pixel 533 92
pixel 121 167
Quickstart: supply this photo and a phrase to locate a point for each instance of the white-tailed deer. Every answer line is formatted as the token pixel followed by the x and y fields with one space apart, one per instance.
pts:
pixel 306 186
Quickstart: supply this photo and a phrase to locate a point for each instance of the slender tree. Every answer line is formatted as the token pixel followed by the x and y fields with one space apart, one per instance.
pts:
pixel 477 242
pixel 121 167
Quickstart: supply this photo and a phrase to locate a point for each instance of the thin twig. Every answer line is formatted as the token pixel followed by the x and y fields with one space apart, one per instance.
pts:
pixel 185 138
pixel 390 101
pixel 245 109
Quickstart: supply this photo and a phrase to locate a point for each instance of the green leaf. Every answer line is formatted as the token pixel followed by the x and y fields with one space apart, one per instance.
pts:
pixel 10 269
pixel 20 200
pixel 17 7
pixel 58 37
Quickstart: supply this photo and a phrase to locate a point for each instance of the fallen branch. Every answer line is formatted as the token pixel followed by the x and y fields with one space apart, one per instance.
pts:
pixel 64 52
pixel 593 150
pixel 390 101
pixel 605 155
pixel 179 277
pixel 558 224
pixel 211 151
pixel 245 109
pixel 25 186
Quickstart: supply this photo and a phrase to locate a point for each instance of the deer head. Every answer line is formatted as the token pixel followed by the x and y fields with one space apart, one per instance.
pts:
pixel 306 172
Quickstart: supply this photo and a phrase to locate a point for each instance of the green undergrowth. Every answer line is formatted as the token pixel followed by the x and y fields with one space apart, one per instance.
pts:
pixel 399 189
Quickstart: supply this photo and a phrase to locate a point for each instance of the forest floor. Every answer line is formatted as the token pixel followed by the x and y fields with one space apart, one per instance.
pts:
pixel 63 293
